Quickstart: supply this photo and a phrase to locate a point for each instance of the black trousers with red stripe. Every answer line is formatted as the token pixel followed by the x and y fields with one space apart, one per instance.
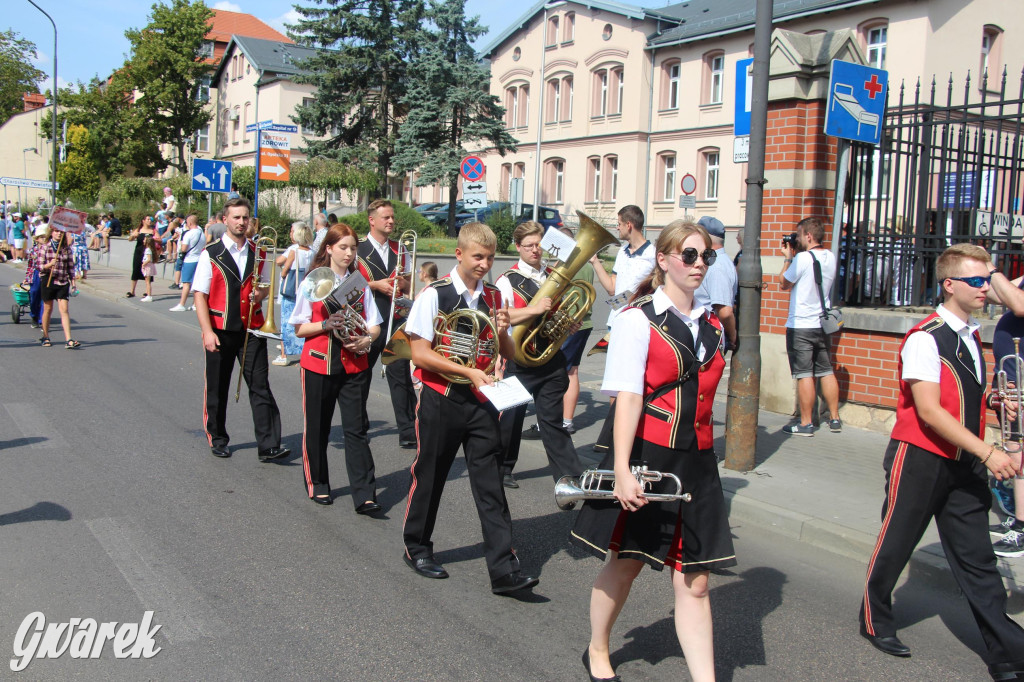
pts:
pixel 403 397
pixel 319 393
pixel 443 424
pixel 266 418
pixel 920 486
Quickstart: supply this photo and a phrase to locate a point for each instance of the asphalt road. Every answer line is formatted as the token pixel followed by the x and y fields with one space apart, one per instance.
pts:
pixel 111 505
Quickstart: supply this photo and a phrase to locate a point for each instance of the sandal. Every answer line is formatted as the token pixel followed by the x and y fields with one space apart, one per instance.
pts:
pixel 45 342
pixel 129 295
pixel 72 344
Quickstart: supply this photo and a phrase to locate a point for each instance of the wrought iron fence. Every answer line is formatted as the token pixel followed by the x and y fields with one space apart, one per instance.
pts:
pixel 944 173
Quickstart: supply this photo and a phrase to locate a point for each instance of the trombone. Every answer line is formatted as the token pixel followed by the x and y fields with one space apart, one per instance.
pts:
pixel 265 241
pixel 406 245
pixel 598 484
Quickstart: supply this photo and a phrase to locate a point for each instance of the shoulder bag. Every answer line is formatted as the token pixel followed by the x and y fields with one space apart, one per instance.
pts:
pixel 831 318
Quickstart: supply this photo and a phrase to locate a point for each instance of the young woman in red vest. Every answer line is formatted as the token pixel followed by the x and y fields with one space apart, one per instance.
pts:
pixel 331 371
pixel 664 364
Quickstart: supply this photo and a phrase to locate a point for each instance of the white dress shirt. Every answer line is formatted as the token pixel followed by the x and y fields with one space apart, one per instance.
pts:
pixel 425 307
pixel 204 269
pixel 505 286
pixel 303 311
pixel 920 353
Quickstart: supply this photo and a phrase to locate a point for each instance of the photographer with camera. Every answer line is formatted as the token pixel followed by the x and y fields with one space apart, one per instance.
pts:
pixel 807 345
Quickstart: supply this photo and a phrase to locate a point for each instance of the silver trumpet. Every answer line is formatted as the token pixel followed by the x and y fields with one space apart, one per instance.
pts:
pixel 1010 430
pixel 598 484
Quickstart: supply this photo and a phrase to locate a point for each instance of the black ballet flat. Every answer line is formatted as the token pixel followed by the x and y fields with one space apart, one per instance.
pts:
pixel 322 499
pixel 368 507
pixel 586 664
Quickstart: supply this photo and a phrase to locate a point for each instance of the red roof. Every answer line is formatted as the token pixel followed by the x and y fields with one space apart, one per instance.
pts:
pixel 224 24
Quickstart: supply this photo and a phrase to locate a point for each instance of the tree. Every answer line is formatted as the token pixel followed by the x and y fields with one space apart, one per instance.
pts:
pixel 360 75
pixel 17 75
pixel 78 175
pixel 449 103
pixel 167 70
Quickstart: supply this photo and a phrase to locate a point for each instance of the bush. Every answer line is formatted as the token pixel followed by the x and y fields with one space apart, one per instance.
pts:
pixel 271 215
pixel 129 191
pixel 405 219
pixel 503 223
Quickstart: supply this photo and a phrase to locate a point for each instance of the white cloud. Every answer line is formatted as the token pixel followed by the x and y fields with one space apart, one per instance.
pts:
pixel 289 17
pixel 228 6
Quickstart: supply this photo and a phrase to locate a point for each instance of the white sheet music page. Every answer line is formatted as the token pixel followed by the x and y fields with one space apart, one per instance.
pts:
pixel 507 393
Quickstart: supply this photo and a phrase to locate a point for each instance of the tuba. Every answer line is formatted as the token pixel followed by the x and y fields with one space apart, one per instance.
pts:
pixel 320 285
pixel 537 342
pixel 465 336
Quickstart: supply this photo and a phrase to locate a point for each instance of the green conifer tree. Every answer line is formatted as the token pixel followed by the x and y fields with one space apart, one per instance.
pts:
pixel 449 104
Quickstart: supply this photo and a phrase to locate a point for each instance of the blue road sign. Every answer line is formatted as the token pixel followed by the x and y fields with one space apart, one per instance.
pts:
pixel 856 102
pixel 211 175
pixel 744 94
pixel 472 168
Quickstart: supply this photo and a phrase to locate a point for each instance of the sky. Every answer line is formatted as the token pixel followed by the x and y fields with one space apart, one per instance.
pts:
pixel 90 33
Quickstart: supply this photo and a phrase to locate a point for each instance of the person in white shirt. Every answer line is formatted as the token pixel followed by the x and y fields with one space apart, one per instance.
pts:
pixel 808 347
pixel 192 244
pixel 633 263
pixel 170 203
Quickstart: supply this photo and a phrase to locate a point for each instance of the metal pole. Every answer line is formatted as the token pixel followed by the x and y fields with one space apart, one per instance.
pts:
pixel 540 114
pixel 745 374
pixel 259 144
pixel 53 186
pixel 837 217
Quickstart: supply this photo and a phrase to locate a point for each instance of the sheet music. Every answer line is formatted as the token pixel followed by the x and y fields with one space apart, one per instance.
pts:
pixel 507 393
pixel 559 245
pixel 620 300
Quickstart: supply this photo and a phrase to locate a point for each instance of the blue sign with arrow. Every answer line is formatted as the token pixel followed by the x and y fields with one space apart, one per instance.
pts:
pixel 211 175
pixel 856 102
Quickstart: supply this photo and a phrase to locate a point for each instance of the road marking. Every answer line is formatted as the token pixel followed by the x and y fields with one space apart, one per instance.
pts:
pixel 179 607
pixel 32 422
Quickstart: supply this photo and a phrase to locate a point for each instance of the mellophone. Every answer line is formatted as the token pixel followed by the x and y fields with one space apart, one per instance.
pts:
pixel 324 285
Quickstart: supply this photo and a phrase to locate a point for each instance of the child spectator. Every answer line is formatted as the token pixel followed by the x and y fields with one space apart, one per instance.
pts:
pixel 149 267
pixel 294 262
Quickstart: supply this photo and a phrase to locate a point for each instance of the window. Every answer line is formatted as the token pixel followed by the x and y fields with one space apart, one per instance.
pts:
pixel 569 29
pixel 713 72
pixel 552 37
pixel 991 62
pixel 554 181
pixel 611 168
pixel 234 67
pixel 554 103
pixel 511 107
pixel 877 39
pixel 566 98
pixel 506 177
pixel 524 106
pixel 710 160
pixel 202 139
pixel 618 88
pixel 606 33
pixel 519 170
pixel 206 49
pixel 306 103
pixel 593 179
pixel 601 93
pixel 872 174
pixel 670 96
pixel 667 170
pixel 245 121
pixel 224 123
pixel 203 91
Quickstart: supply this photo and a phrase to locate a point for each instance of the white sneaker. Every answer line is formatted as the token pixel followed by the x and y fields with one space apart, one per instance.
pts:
pixel 146 299
pixel 178 309
pixel 191 307
pixel 279 361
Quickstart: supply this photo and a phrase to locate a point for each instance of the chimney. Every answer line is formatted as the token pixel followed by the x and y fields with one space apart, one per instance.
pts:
pixel 33 101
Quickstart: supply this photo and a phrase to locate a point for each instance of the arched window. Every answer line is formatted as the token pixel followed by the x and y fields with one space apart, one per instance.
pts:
pixel 506 176
pixel 710 165
pixel 874 40
pixel 991 55
pixel 600 107
pixel 714 77
pixel 553 106
pixel 566 111
pixel 517 102
pixel 666 176
pixel 611 178
pixel 670 71
pixel 618 90
pixel 246 121
pixel 593 194
pixel 553 189
pixel 552 37
pixel 608 91
pixel 569 29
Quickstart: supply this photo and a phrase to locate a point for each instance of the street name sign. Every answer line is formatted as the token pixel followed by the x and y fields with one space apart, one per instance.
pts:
pixel 211 175
pixel 25 182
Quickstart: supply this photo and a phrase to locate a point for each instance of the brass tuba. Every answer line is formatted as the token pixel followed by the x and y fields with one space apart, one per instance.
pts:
pixel 537 342
pixel 465 336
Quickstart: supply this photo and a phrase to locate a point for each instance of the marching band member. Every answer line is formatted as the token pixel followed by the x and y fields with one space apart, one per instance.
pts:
pixel 223 287
pixel 378 261
pixel 664 364
pixel 549 382
pixel 453 414
pixel 332 371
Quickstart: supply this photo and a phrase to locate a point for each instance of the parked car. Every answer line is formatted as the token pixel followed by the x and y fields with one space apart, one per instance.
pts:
pixel 423 208
pixel 548 217
pixel 439 214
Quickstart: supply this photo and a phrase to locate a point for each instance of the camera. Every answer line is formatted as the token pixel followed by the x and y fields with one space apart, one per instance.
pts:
pixel 790 241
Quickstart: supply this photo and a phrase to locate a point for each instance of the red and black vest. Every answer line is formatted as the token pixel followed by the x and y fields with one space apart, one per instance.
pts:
pixel 324 353
pixel 680 418
pixel 229 292
pixel 448 299
pixel 373 269
pixel 962 394
pixel 523 288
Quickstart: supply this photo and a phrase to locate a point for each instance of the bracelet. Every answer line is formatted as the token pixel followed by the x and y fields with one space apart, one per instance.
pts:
pixel 787 260
pixel 323 326
pixel 991 449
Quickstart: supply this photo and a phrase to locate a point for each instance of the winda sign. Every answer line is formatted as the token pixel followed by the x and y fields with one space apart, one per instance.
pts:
pixel 1005 226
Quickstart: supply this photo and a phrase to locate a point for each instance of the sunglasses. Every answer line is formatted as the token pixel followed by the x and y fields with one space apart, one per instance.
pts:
pixel 976 282
pixel 689 256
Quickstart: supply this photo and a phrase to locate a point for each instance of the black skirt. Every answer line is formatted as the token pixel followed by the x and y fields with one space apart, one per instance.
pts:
pixel 694 534
pixel 140 250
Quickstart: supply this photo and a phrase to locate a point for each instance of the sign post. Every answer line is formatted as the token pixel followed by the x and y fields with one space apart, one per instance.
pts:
pixel 689 185
pixel 474 189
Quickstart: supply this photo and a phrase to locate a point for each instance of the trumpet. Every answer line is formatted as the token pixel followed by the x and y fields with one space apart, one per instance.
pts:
pixel 266 241
pixel 1010 430
pixel 593 485
pixel 465 336
pixel 321 285
pixel 406 245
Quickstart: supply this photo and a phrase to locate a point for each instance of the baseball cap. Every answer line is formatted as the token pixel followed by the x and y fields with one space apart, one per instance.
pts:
pixel 713 225
pixel 41 231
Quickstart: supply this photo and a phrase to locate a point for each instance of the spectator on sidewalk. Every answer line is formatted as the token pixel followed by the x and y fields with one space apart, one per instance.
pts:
pixel 216 229
pixel 809 348
pixel 18 239
pixel 295 264
pixel 139 236
pixel 191 248
pixel 320 230
pixel 718 290
pixel 633 263
pixel 80 251
pixel 936 464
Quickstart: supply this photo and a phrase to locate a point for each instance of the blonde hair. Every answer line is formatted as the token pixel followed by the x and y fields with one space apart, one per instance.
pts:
pixel 477 233
pixel 948 264
pixel 304 235
pixel 669 241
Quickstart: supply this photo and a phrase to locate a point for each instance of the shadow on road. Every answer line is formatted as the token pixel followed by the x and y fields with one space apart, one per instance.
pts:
pixel 40 511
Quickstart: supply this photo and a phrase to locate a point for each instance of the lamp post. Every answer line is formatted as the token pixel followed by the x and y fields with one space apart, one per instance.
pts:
pixel 540 104
pixel 53 170
pixel 24 168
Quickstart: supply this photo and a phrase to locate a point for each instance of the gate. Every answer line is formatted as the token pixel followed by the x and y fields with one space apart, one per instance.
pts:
pixel 944 173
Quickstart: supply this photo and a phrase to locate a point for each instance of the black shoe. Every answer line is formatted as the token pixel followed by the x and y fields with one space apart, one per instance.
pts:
pixel 368 507
pixel 322 499
pixel 1007 671
pixel 890 645
pixel 408 443
pixel 570 429
pixel 220 451
pixel 509 481
pixel 586 664
pixel 513 582
pixel 532 433
pixel 426 567
pixel 274 453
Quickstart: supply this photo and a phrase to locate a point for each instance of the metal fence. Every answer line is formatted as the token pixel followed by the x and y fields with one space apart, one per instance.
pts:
pixel 944 173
